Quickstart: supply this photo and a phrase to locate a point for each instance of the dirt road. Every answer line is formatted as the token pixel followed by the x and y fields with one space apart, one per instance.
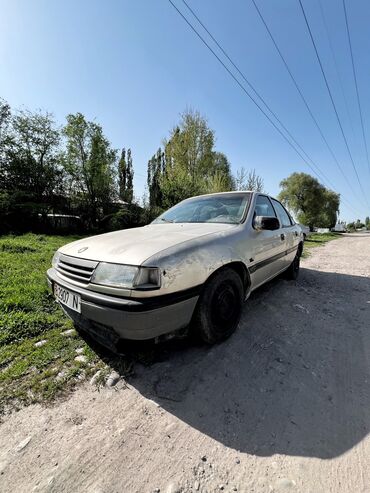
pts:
pixel 284 405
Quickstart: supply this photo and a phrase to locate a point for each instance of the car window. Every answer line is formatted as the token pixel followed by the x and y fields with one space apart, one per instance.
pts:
pixel 282 214
pixel 264 207
pixel 220 208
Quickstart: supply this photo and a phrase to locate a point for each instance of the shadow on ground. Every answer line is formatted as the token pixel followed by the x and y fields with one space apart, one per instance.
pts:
pixel 293 380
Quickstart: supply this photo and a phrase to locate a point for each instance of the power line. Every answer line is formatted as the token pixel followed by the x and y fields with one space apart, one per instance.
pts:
pixel 332 100
pixel 239 83
pixel 355 79
pixel 241 86
pixel 335 64
pixel 256 92
pixel 301 95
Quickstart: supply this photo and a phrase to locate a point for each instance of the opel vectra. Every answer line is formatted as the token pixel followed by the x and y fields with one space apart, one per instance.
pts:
pixel 192 266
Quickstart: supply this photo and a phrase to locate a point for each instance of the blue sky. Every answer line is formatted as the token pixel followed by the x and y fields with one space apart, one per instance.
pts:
pixel 134 66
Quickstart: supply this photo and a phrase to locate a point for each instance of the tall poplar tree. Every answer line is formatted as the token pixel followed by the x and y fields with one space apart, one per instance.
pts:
pixel 126 176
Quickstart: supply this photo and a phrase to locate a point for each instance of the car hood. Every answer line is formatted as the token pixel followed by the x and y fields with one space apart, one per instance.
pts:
pixel 134 246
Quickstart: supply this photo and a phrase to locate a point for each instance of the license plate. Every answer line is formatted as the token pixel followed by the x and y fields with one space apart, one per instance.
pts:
pixel 67 298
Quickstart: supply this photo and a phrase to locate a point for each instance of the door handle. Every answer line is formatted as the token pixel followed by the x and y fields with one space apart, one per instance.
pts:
pixel 282 236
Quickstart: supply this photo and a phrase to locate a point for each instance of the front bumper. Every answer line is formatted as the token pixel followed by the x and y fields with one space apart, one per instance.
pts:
pixel 128 318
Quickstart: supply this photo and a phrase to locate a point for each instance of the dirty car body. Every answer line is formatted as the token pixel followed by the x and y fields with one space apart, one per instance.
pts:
pixel 145 282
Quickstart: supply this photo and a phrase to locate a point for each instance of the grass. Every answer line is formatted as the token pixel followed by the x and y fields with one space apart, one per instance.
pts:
pixel 317 239
pixel 31 372
pixel 28 314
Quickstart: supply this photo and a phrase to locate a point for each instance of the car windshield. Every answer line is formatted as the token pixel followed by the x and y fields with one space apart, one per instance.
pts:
pixel 222 208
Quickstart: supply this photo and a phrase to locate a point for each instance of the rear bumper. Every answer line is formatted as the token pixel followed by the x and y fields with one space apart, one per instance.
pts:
pixel 114 318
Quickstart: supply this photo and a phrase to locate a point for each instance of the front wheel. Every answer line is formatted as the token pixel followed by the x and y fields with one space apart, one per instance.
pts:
pixel 219 307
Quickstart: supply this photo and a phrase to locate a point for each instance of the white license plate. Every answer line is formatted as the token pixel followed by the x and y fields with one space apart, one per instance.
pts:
pixel 67 298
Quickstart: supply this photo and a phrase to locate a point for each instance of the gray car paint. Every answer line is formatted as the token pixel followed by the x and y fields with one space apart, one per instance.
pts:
pixel 187 255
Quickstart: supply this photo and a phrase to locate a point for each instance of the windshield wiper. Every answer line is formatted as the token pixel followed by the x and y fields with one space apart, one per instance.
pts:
pixel 166 220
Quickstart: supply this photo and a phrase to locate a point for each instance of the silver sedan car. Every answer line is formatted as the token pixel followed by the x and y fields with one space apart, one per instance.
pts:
pixel 193 266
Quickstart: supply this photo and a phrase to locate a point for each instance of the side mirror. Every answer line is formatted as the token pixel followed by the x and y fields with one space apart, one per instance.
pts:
pixel 264 222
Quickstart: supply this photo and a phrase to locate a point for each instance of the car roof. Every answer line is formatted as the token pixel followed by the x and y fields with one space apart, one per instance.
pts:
pixel 231 192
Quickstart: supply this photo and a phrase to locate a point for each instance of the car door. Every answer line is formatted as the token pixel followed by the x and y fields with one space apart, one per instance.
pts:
pixel 268 247
pixel 289 231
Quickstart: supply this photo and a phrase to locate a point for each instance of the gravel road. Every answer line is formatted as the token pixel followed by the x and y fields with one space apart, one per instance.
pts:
pixel 282 406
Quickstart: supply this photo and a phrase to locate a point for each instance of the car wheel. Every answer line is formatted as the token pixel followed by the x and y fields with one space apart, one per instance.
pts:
pixel 293 270
pixel 219 307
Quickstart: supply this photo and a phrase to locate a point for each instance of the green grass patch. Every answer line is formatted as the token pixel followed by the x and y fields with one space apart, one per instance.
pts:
pixel 317 239
pixel 28 314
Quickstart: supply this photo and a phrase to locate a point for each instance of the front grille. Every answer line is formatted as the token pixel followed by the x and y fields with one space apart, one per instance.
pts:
pixel 76 269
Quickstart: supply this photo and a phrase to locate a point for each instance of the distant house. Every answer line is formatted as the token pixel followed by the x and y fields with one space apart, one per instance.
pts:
pixel 62 222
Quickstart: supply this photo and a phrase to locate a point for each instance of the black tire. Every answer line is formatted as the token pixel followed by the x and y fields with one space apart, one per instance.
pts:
pixel 219 307
pixel 292 272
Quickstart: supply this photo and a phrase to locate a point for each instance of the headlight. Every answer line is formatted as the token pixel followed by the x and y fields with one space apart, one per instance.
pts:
pixel 126 276
pixel 55 259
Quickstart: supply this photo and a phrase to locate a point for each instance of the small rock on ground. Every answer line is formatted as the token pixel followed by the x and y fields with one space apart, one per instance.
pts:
pixel 80 350
pixel 61 375
pixel 69 332
pixel 95 378
pixel 81 358
pixel 284 484
pixel 23 444
pixel 113 379
pixel 40 343
pixel 173 488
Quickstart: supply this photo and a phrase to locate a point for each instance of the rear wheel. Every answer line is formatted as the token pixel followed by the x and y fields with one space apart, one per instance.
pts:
pixel 219 307
pixel 293 270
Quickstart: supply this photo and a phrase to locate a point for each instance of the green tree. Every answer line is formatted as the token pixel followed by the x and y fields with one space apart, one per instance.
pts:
pixel 31 155
pixel 192 166
pixel 89 161
pixel 219 171
pixel 5 114
pixel 31 178
pixel 122 175
pixel 330 208
pixel 248 180
pixel 367 222
pixel 156 170
pixel 313 204
pixel 130 177
pixel 126 176
pixel 217 182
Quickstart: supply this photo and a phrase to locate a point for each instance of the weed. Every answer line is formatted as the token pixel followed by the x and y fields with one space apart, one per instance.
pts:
pixel 317 239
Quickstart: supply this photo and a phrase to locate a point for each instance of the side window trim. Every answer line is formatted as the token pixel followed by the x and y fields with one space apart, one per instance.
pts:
pixel 269 199
pixel 272 206
pixel 287 213
pixel 292 223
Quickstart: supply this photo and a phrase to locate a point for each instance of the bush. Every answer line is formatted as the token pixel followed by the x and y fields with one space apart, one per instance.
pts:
pixel 129 217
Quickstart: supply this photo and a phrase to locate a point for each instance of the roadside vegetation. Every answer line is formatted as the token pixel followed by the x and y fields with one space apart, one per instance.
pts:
pixel 70 178
pixel 41 355
pixel 312 203
pixel 48 171
pixel 38 346
pixel 315 240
